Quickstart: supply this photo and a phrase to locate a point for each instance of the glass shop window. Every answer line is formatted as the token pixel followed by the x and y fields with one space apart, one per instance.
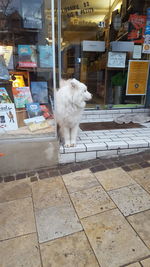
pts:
pixel 26 68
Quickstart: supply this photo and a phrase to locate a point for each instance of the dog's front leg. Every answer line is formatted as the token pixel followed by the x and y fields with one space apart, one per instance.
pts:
pixel 67 136
pixel 73 133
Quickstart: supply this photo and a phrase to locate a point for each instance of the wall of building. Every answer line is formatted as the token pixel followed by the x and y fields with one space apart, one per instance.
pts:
pixel 27 155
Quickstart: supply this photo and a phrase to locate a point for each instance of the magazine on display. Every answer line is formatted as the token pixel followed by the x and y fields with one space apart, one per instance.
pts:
pixel 22 96
pixel 27 56
pixel 32 14
pixel 7 53
pixel 4 97
pixel 33 110
pixel 8 120
pixel 39 91
pixel 45 56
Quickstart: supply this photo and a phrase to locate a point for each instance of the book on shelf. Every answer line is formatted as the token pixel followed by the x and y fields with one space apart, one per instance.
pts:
pixel 32 14
pixel 7 53
pixel 27 56
pixel 33 110
pixel 8 119
pixel 22 96
pixel 45 56
pixel 18 81
pixel 39 91
pixel 4 74
pixel 4 97
pixel 46 112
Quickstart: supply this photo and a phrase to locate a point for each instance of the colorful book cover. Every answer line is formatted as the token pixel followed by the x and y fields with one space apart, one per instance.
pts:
pixel 8 120
pixel 136 28
pixel 45 56
pixel 4 97
pixel 22 96
pixel 39 91
pixel 33 110
pixel 32 14
pixel 7 53
pixel 46 112
pixel 27 56
pixel 4 74
pixel 18 81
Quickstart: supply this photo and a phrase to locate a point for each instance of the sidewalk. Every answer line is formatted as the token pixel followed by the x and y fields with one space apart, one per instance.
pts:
pixel 87 214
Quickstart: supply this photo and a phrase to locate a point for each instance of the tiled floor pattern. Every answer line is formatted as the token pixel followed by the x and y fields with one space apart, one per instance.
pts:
pixel 95 215
pixel 107 143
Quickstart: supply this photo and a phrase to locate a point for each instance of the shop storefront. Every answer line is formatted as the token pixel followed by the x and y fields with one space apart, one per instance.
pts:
pixel 105 44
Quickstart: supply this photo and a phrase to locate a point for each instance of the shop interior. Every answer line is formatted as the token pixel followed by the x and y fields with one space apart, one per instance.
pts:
pixel 89 31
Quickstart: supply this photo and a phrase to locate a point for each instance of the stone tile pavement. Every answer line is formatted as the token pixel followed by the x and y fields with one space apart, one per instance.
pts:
pixel 93 213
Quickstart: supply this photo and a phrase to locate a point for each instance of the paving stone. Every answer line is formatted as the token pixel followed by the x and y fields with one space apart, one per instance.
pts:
pixel 43 175
pixel 79 180
pixel 146 262
pixel 14 190
pixel 20 252
pixel 126 168
pixel 113 240
pixel 91 201
pixel 49 192
pixel 14 222
pixel 21 176
pixel 33 179
pixel 56 221
pixel 98 168
pixel 140 224
pixel 144 164
pixel 137 264
pixel 72 250
pixel 142 177
pixel 64 170
pixel 131 199
pixel 114 178
pixel 135 166
pixel 53 172
pixel 9 178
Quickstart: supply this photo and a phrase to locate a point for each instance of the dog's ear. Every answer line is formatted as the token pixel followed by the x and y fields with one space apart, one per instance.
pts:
pixel 74 83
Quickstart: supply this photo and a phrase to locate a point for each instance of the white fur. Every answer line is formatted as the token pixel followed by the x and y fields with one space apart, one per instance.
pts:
pixel 70 102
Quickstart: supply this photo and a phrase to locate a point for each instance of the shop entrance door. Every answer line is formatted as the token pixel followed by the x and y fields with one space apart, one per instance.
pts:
pixel 82 33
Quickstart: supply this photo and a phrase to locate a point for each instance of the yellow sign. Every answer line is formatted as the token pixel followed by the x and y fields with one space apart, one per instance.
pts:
pixel 137 77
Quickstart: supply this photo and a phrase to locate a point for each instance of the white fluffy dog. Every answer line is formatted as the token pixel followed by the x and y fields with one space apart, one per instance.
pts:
pixel 70 102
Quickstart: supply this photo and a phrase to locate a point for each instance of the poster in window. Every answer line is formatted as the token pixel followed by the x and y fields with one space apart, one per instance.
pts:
pixel 136 28
pixel 8 120
pixel 116 60
pixel 137 77
pixel 32 14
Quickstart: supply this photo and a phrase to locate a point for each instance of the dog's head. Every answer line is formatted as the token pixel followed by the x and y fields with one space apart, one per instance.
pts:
pixel 79 93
